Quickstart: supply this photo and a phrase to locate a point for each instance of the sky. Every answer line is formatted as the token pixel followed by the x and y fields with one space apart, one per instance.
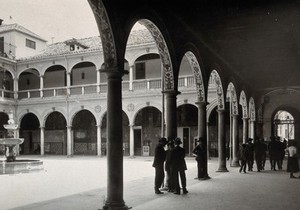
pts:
pixel 53 20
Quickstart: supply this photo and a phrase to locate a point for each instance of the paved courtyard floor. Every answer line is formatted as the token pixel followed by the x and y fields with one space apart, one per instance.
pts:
pixel 80 183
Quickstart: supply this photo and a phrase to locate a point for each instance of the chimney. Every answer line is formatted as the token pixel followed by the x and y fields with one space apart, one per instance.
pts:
pixel 1 22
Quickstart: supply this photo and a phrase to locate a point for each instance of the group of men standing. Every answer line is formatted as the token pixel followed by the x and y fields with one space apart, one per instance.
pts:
pixel 172 161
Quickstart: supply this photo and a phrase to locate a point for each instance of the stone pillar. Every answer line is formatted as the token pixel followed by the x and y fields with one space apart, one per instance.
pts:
pixel 42 141
pixel 221 141
pixel 131 77
pixel 208 139
pixel 202 132
pixel 251 129
pixel 131 140
pixel 245 129
pixel 98 80
pixel 16 88
pixel 171 115
pixel 69 141
pixel 68 82
pixel 114 141
pixel 99 140
pixel 235 141
pixel 42 86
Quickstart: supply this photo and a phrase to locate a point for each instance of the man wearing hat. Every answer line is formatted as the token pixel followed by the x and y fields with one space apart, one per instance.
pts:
pixel 200 153
pixel 178 165
pixel 158 164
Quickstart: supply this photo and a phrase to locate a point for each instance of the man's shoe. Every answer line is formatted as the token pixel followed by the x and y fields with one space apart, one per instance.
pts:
pixel 158 192
pixel 185 191
pixel 177 193
pixel 292 177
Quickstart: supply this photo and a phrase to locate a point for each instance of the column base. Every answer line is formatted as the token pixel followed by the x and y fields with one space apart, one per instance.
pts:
pixel 235 164
pixel 222 170
pixel 204 177
pixel 106 207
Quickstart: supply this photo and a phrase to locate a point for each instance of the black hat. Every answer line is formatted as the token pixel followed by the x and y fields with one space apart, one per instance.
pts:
pixel 177 140
pixel 163 140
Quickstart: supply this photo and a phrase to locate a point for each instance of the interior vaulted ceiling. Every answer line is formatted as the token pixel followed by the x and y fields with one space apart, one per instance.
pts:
pixel 259 41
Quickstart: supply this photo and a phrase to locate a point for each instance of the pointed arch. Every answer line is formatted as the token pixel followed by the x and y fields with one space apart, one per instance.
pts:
pixel 231 96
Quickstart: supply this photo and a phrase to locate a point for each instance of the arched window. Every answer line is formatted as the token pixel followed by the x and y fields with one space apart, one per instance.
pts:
pixel 284 125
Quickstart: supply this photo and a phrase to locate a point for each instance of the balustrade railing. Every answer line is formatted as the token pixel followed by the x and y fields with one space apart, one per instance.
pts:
pixel 184 82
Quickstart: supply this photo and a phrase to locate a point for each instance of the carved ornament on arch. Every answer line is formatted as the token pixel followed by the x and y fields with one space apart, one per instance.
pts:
pixel 198 76
pixel 107 40
pixel 164 53
pixel 130 107
pixel 220 94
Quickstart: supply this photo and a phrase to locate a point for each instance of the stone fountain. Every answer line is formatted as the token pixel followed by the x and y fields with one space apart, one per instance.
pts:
pixel 11 145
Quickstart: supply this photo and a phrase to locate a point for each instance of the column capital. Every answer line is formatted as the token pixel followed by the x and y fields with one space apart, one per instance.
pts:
pixel 69 126
pixel 171 92
pixel 220 110
pixel 42 127
pixel 114 72
pixel 201 103
pixel 42 76
pixel 234 115
pixel 245 118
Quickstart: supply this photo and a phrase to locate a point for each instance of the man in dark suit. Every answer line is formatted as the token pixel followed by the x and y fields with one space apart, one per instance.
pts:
pixel 178 166
pixel 200 152
pixel 158 164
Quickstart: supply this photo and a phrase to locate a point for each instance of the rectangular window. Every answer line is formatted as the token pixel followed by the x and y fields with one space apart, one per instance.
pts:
pixel 30 44
pixel 140 71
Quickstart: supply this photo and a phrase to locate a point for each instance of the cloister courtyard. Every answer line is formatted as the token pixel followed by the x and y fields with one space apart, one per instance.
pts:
pixel 79 182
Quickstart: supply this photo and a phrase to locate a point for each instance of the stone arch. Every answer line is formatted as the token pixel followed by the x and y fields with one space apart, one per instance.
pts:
pixel 197 74
pixel 231 96
pixel 215 80
pixel 252 113
pixel 106 34
pixel 137 108
pixel 169 83
pixel 244 104
pixel 46 114
pixel 84 72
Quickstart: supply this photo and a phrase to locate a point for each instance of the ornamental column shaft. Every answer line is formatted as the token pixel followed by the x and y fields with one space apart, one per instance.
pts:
pixel 171 114
pixel 245 130
pixel 221 141
pixel 42 141
pixel 202 132
pixel 114 141
pixel 235 141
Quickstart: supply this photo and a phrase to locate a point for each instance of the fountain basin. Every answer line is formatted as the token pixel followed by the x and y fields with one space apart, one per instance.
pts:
pixel 20 166
pixel 11 141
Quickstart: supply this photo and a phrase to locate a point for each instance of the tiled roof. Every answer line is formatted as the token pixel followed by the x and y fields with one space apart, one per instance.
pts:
pixel 90 44
pixel 15 26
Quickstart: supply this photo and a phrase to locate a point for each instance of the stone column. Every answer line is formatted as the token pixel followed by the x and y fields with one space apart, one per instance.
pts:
pixel 68 82
pixel 202 132
pixel 16 88
pixel 98 80
pixel 131 77
pixel 69 141
pixel 171 114
pixel 221 141
pixel 99 140
pixel 235 141
pixel 42 86
pixel 42 141
pixel 131 140
pixel 251 128
pixel 114 141
pixel 245 129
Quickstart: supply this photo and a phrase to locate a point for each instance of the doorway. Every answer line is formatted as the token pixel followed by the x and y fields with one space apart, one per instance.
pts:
pixel 138 141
